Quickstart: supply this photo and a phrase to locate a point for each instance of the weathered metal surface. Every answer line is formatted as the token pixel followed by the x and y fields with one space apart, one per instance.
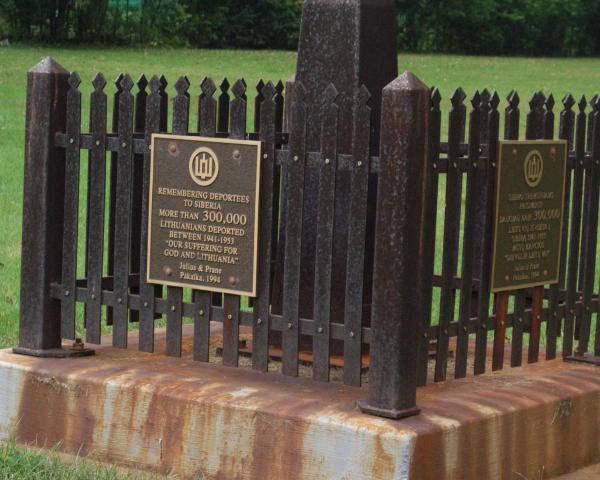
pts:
pixel 397 308
pixel 43 201
pixel 96 207
pixel 347 44
pixel 160 414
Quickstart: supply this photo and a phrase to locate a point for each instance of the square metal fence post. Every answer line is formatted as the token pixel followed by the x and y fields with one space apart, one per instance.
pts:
pixel 43 204
pixel 397 306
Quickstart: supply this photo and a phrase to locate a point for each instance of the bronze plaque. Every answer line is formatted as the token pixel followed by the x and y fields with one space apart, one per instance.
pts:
pixel 529 210
pixel 203 214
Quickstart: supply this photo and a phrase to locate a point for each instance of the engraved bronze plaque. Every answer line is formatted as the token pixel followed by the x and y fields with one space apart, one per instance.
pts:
pixel 203 214
pixel 529 210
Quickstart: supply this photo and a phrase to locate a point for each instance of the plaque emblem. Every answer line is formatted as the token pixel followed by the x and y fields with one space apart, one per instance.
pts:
pixel 534 168
pixel 204 166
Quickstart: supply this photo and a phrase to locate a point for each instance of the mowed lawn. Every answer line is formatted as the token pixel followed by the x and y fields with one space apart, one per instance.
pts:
pixel 559 76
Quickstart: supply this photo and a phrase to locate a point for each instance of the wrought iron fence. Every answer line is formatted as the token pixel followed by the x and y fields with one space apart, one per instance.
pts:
pixel 410 303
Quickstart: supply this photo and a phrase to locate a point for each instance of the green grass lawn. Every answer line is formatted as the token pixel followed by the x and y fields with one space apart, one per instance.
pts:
pixel 559 76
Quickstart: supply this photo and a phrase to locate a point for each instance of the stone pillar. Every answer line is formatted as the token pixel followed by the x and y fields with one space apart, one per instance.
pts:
pixel 346 43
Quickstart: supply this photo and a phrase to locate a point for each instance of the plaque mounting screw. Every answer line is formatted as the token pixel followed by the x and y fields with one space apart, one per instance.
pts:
pixel 173 308
pixel 67 293
pixel 320 330
pixel 229 317
pixel 119 300
pixel 494 164
pixel 97 143
pixel 93 296
pixel 296 158
pixel 327 161
pixel 352 335
pixel 455 165
pixel 425 335
pixel 259 321
pixel 359 164
pixel 71 141
pixel 124 144
pixel 201 313
pixel 290 326
pixel 265 156
pixel 145 304
pixel 514 152
pixel 435 166
pixel 237 155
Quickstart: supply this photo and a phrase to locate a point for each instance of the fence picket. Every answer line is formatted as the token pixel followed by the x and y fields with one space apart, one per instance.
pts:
pixel 231 303
pixel 295 200
pixel 535 131
pixel 207 126
pixel 148 292
pixel 71 209
pixel 575 232
pixel 139 127
pixel 223 121
pixel 96 205
pixel 489 104
pixel 262 323
pixel 113 192
pixel 555 317
pixel 357 232
pixel 435 120
pixel 466 288
pixel 451 230
pixel 591 228
pixel 181 117
pixel 123 214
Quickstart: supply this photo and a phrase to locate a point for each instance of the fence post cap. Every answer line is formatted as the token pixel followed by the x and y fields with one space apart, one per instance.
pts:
pixel 50 66
pixel 407 81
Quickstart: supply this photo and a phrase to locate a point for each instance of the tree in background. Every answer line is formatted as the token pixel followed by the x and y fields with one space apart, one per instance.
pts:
pixel 505 27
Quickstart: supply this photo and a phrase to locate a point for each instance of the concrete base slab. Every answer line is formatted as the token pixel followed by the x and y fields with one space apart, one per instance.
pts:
pixel 206 421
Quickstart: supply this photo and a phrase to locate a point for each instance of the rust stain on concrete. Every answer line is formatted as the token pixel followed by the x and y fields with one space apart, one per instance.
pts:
pixel 171 415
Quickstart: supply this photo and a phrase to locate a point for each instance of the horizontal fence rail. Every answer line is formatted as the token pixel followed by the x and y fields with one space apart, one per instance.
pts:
pixel 97 246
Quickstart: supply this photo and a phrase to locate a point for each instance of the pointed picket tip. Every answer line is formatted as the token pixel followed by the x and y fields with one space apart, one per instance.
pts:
pixel 596 103
pixel 208 86
pixel 127 83
pixel 99 82
pixel 182 85
pixel 74 80
pixel 268 91
pixel 260 85
pixel 568 101
pixel 331 93
pixel 476 99
pixel 118 81
pixel 513 99
pixel 299 92
pixel 155 84
pixel 142 82
pixel 225 85
pixel 49 66
pixel 582 104
pixel 163 82
pixel 550 102
pixel 458 97
pixel 279 87
pixel 537 101
pixel 407 81
pixel 363 95
pixel 239 88
pixel 495 100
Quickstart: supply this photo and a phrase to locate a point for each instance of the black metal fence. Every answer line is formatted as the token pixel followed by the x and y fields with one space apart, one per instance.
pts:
pixel 414 301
